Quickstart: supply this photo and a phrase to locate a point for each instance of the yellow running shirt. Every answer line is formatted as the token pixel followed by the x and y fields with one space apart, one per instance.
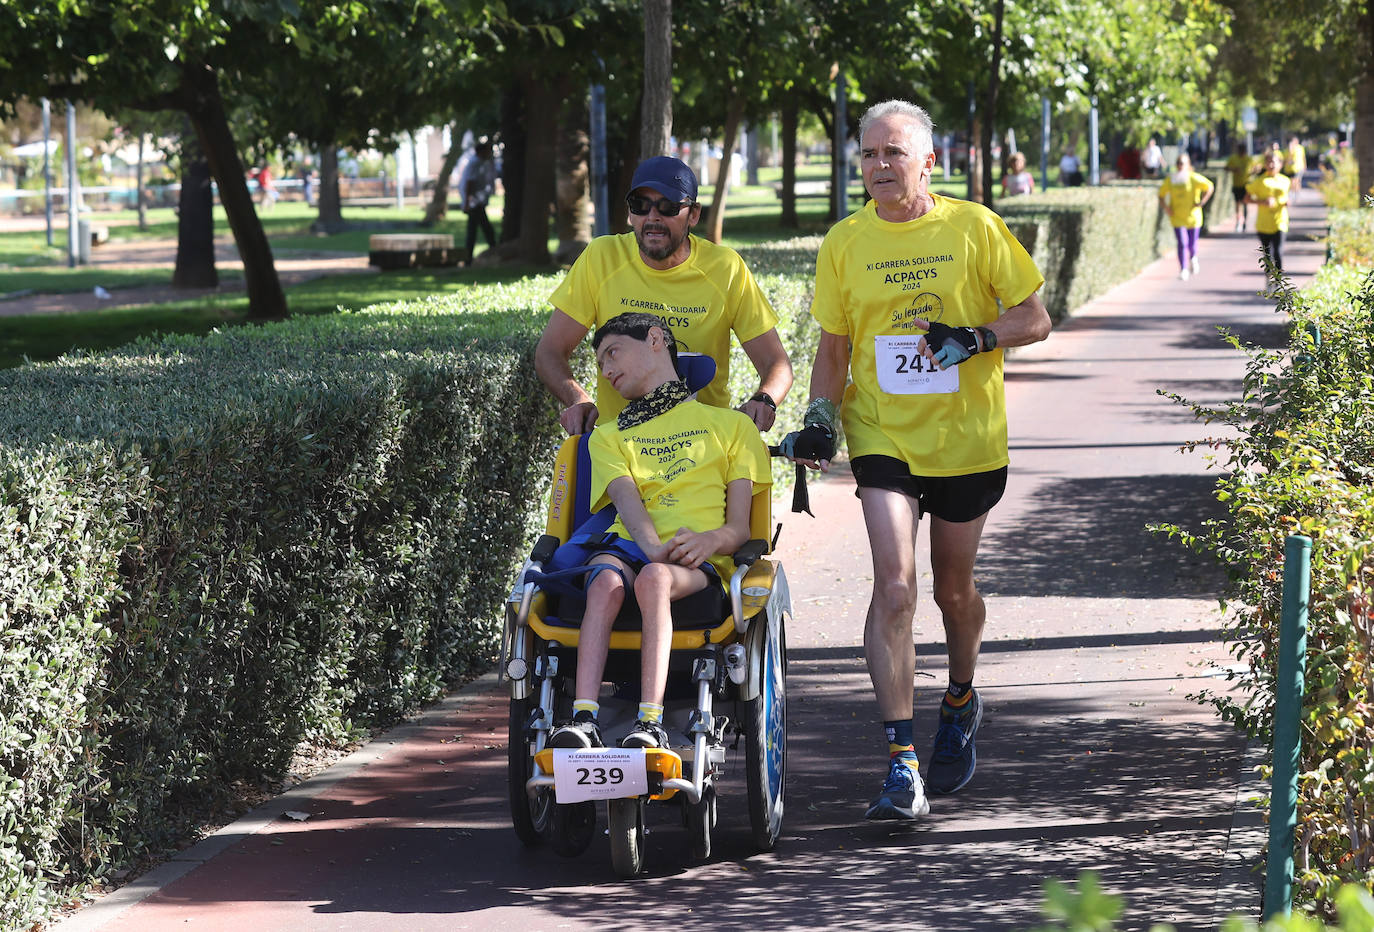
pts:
pixel 873 278
pixel 1270 219
pixel 702 300
pixel 681 461
pixel 1185 201
pixel 1240 167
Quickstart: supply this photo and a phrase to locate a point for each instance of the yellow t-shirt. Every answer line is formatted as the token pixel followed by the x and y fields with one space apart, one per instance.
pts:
pixel 1295 159
pixel 1270 219
pixel 681 461
pixel 1240 167
pixel 702 300
pixel 1185 201
pixel 952 265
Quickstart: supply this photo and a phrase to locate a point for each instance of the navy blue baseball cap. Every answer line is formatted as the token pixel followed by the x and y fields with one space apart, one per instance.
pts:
pixel 668 176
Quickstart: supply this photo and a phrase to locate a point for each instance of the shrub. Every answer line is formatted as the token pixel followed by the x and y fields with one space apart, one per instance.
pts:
pixel 1350 236
pixel 1301 462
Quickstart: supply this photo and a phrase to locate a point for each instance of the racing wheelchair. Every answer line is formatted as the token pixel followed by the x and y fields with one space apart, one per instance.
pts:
pixel 726 684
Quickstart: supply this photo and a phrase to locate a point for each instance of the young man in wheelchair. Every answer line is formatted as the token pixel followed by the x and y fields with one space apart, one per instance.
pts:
pixel 681 476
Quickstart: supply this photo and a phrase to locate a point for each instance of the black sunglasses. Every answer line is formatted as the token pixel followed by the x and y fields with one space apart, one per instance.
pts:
pixel 640 206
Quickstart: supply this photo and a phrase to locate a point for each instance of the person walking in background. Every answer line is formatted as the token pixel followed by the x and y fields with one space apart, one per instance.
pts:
pixel 476 186
pixel 1070 170
pixel 1154 159
pixel 1269 192
pixel 916 375
pixel 1182 194
pixel 1241 166
pixel 1016 180
pixel 1294 164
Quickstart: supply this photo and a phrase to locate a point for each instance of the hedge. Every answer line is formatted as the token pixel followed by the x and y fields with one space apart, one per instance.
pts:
pixel 1303 463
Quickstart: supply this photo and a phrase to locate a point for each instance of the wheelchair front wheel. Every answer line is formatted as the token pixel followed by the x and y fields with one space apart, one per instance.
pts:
pixel 701 819
pixel 626 818
pixel 765 733
pixel 529 814
pixel 572 829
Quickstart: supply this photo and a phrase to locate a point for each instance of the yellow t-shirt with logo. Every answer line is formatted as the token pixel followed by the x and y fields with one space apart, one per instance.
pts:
pixel 952 265
pixel 1270 219
pixel 1240 167
pixel 681 462
pixel 702 300
pixel 1185 201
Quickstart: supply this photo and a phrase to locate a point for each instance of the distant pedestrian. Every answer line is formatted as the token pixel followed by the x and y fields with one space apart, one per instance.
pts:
pixel 1070 170
pixel 1154 159
pixel 1016 180
pixel 267 188
pixel 1294 164
pixel 1241 167
pixel 476 186
pixel 1270 193
pixel 1183 193
pixel 1128 164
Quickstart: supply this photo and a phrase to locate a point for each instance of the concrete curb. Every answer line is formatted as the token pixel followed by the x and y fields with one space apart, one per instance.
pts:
pixel 95 914
pixel 1241 887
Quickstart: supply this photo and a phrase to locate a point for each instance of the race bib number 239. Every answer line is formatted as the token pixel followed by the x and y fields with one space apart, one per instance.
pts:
pixel 904 371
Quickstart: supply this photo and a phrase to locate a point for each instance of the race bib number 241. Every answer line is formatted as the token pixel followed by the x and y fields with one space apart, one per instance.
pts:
pixel 904 371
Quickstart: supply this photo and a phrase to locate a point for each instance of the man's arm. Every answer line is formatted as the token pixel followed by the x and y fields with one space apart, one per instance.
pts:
pixel 552 361
pixel 775 376
pixel 690 548
pixel 624 494
pixel 1023 324
pixel 829 370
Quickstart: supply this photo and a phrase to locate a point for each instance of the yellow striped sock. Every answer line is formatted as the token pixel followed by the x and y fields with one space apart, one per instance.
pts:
pixel 650 712
pixel 586 705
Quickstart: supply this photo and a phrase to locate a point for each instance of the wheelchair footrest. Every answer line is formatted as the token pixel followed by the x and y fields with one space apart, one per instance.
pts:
pixel 608 773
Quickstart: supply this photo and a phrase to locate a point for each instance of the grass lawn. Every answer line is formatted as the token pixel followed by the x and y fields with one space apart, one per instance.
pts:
pixel 27 264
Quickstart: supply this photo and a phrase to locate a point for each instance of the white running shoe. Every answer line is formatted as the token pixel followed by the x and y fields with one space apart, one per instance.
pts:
pixel 1196 266
pixel 1183 275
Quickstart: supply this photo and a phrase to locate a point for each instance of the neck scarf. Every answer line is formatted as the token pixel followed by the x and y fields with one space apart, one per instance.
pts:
pixel 662 399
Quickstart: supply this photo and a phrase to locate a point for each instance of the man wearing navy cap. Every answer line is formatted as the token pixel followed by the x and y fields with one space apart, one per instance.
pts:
pixel 704 291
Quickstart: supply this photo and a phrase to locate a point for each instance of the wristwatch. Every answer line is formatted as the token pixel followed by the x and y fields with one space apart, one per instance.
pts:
pixel 989 339
pixel 766 399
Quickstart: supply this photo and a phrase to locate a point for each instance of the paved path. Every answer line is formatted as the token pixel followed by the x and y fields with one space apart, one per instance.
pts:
pixel 1092 755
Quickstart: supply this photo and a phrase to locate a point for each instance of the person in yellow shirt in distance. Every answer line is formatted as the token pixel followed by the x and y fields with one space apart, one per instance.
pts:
pixel 1294 164
pixel 916 294
pixel 681 475
pixel 1241 166
pixel 1270 193
pixel 703 291
pixel 1182 194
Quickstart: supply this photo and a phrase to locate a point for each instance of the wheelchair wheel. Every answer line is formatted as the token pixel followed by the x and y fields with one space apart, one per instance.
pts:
pixel 765 733
pixel 572 828
pixel 626 818
pixel 529 814
pixel 701 819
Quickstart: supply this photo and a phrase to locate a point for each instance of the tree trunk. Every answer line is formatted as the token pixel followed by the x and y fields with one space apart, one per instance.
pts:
pixel 975 163
pixel 330 204
pixel 138 191
pixel 266 301
pixel 715 220
pixel 1364 110
pixel 538 190
pixel 789 162
pixel 656 109
pixel 195 265
pixel 438 204
pixel 513 158
pixel 573 216
pixel 990 114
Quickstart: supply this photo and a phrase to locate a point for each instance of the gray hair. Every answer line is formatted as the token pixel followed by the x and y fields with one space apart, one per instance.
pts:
pixel 923 130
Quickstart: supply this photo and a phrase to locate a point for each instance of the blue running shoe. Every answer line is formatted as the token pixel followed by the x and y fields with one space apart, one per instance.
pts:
pixel 903 796
pixel 954 757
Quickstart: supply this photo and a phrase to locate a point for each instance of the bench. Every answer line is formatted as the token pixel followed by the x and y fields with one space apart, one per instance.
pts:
pixel 412 250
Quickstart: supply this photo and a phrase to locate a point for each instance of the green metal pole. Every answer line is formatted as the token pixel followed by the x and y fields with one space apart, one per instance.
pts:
pixel 1288 689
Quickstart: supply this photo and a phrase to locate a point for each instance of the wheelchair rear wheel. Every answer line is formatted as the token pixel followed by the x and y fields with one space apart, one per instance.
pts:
pixel 765 733
pixel 529 814
pixel 626 818
pixel 701 819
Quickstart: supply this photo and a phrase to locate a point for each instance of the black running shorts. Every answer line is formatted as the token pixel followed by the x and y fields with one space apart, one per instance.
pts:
pixel 951 498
